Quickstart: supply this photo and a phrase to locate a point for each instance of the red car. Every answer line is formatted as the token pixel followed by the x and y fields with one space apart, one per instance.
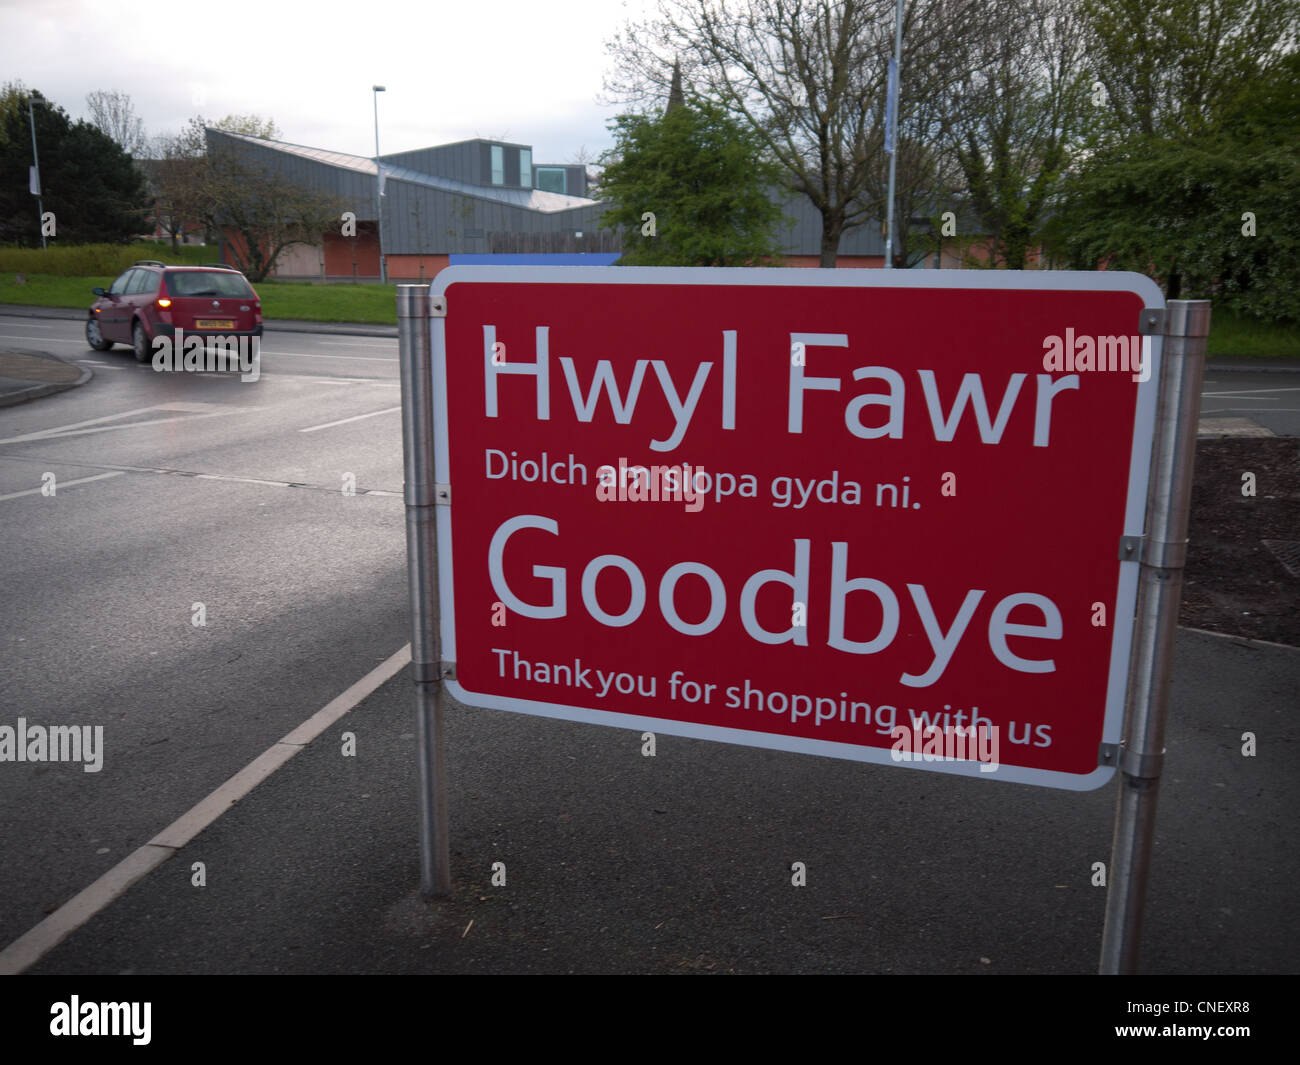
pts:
pixel 152 299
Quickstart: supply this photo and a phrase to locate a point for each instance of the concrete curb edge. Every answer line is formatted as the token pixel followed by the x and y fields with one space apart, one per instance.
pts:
pixel 24 395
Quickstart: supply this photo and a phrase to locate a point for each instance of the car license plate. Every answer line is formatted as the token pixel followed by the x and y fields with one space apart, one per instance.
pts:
pixel 214 323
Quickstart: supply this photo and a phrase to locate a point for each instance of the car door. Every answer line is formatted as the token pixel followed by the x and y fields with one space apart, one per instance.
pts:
pixel 139 294
pixel 113 318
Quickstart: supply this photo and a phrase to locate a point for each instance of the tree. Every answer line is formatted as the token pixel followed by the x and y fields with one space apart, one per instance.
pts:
pixel 189 186
pixel 1011 120
pixel 1259 274
pixel 1213 215
pixel 113 114
pixel 689 187
pixel 87 182
pixel 1190 172
pixel 809 78
pixel 589 163
pixel 13 99
pixel 250 126
pixel 178 175
pixel 1170 69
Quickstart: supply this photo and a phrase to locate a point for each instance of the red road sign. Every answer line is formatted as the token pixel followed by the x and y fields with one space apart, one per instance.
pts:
pixel 878 507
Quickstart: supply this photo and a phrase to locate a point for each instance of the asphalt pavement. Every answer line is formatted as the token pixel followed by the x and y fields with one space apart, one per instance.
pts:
pixel 615 862
pixel 195 564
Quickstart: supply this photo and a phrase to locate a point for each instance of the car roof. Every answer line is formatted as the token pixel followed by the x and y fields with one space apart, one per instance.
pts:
pixel 154 264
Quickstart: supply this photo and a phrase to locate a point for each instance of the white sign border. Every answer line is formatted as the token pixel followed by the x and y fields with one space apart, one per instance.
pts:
pixel 1122 624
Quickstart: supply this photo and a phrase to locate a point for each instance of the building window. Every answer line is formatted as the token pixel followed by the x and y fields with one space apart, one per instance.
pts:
pixel 526 167
pixel 550 179
pixel 498 165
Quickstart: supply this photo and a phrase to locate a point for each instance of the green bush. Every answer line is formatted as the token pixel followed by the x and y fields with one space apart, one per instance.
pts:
pixel 93 260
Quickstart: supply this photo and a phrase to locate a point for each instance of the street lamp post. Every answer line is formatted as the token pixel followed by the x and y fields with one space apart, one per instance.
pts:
pixel 891 134
pixel 35 98
pixel 379 202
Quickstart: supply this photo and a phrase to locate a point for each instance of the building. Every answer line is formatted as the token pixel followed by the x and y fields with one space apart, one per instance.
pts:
pixel 476 201
pixel 472 198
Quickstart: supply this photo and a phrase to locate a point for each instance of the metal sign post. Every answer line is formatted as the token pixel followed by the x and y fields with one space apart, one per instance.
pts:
pixel 1163 551
pixel 421 495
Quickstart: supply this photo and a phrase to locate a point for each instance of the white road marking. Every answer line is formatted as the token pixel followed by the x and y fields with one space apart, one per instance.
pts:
pixel 1257 410
pixel 241 480
pixel 304 378
pixel 386 382
pixel 61 484
pixel 295 354
pixel 352 358
pixel 120 414
pixel 191 411
pixel 375 343
pixel 1240 639
pixel 189 408
pixel 165 471
pixel 344 421
pixel 29 948
pixel 1249 392
pixel 44 339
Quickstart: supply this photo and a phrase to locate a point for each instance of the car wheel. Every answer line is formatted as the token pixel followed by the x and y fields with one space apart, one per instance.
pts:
pixel 94 337
pixel 140 342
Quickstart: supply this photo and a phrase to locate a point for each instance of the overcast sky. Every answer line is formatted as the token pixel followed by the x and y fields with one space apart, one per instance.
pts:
pixel 519 70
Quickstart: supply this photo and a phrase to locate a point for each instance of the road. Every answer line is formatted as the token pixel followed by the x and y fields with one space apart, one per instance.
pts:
pixel 193 488
pixel 1271 400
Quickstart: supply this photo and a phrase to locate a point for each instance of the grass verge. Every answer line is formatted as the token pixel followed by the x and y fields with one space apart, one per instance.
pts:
pixel 1231 335
pixel 371 304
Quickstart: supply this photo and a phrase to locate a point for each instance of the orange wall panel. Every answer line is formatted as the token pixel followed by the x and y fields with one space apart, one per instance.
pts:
pixel 841 261
pixel 342 253
pixel 408 267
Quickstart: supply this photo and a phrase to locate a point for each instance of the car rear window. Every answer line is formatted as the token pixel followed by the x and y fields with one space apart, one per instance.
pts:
pixel 207 283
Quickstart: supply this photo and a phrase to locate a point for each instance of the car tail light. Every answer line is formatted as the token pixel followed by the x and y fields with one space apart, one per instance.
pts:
pixel 164 303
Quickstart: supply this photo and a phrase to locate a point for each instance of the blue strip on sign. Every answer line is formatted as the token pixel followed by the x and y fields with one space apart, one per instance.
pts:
pixel 537 259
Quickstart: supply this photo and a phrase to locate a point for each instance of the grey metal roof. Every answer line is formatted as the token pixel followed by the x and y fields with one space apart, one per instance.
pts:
pixel 529 199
